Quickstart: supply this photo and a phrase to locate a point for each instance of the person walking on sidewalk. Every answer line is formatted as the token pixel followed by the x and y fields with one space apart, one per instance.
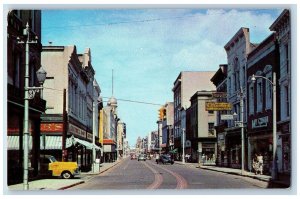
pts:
pixel 260 163
pixel 255 164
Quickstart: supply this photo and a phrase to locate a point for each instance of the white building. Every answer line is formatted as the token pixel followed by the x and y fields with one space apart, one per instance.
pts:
pixel 187 84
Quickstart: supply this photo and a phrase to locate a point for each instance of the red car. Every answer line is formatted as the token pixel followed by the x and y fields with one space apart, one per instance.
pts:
pixel 133 157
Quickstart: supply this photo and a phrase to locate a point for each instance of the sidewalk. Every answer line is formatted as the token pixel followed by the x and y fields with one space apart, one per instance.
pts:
pixel 282 182
pixel 58 183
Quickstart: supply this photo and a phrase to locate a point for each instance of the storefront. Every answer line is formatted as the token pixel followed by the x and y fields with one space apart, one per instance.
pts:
pixel 262 145
pixel 221 156
pixel 233 152
pixel 261 140
pixel 284 147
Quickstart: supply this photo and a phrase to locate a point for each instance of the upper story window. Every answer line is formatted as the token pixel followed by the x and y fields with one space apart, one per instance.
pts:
pixel 259 95
pixel 251 98
pixel 17 70
pixel 286 49
pixel 211 130
pixel 287 100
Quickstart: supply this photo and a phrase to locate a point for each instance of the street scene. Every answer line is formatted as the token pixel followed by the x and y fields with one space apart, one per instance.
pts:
pixel 143 99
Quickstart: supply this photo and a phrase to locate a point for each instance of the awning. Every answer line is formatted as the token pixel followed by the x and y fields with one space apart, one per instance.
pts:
pixel 54 142
pixel 174 151
pixel 84 143
pixel 13 142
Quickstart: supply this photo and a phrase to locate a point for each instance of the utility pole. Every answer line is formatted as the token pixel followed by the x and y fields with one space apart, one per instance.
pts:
pixel 183 149
pixel 242 130
pixel 64 134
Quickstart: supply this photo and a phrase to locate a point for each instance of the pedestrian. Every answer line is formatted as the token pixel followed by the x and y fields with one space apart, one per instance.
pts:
pixel 255 164
pixel 260 163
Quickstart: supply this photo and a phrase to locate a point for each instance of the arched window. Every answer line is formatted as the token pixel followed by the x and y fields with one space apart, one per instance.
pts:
pixel 268 86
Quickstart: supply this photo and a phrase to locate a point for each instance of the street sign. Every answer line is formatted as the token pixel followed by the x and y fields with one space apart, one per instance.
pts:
pixel 218 106
pixel 226 117
pixel 219 95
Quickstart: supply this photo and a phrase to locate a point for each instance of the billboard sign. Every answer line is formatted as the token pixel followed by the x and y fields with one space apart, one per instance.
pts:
pixel 218 106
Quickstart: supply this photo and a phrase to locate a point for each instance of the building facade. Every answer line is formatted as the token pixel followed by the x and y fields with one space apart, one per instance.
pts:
pixel 282 26
pixel 220 81
pixel 110 131
pixel 201 129
pixel 237 49
pixel 68 120
pixel 262 61
pixel 185 85
pixel 167 127
pixel 16 23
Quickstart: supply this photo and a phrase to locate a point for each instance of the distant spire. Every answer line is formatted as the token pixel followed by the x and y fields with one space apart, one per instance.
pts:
pixel 112 82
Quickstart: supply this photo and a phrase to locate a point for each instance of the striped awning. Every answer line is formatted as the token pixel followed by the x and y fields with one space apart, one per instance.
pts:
pixel 88 145
pixel 13 142
pixel 49 143
pixel 54 142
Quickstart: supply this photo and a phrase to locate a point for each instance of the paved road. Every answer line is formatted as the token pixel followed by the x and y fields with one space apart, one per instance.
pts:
pixel 133 174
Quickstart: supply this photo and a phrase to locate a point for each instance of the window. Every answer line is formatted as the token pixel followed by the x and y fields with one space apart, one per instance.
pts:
pixel 17 70
pixel 211 130
pixel 286 47
pixel 287 101
pixel 259 95
pixel 268 91
pixel 229 85
pixel 251 99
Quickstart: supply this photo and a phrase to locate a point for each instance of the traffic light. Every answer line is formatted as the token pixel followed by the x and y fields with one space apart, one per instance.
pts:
pixel 162 113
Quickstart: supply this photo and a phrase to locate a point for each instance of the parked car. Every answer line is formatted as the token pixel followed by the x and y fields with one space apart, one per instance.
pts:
pixel 50 166
pixel 142 157
pixel 165 159
pixel 133 157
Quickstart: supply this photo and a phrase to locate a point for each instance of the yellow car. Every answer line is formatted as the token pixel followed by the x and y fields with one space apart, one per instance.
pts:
pixel 66 170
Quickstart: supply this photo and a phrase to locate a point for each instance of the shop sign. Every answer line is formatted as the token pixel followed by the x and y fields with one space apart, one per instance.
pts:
pixel 226 117
pixel 204 145
pixel 221 136
pixel 77 131
pixel 260 122
pixel 219 95
pixel 218 106
pixel 52 127
pixel 89 136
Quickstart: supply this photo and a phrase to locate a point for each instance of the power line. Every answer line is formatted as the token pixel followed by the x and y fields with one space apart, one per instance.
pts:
pixel 120 22
pixel 140 102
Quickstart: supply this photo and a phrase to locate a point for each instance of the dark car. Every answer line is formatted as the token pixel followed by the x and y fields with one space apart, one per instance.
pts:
pixel 165 159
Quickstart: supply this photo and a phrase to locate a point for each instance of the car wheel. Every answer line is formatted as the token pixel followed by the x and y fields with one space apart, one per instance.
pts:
pixel 66 175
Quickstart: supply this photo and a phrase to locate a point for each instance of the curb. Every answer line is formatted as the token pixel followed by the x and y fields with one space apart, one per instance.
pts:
pixel 81 182
pixel 233 173
pixel 72 185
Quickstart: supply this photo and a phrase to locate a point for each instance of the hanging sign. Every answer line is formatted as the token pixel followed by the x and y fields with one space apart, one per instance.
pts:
pixel 218 106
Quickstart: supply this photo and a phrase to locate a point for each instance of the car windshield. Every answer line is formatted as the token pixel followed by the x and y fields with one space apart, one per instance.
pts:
pixel 52 159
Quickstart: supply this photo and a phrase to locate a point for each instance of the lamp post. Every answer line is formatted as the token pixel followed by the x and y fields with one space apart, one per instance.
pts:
pixel 241 124
pixel 94 133
pixel 123 152
pixel 253 79
pixel 183 149
pixel 29 93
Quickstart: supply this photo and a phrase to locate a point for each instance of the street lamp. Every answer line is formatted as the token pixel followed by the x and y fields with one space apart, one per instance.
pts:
pixel 253 79
pixel 183 149
pixel 29 93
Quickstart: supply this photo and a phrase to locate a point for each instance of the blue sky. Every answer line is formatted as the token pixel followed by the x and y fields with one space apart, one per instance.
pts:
pixel 147 49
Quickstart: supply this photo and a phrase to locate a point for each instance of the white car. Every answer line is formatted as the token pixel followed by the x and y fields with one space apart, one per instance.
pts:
pixel 142 157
